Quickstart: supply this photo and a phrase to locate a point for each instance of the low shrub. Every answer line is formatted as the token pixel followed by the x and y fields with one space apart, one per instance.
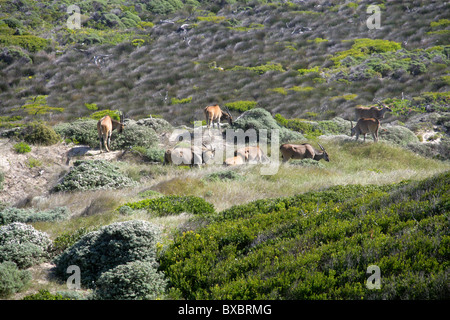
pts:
pixel 45 295
pixel 9 215
pixel 82 131
pixel 136 280
pixel 398 134
pixel 134 136
pixel 241 106
pixel 22 147
pixel 158 124
pixel 169 205
pixel 23 245
pixel 155 154
pixel 258 119
pixel 28 42
pixel 226 175
pixel 110 246
pixel 68 239
pixel 12 279
pixel 93 175
pixel 39 133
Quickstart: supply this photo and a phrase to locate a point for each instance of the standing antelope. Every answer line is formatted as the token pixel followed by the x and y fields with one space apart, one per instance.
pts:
pixel 215 114
pixel 302 151
pixel 193 156
pixel 364 126
pixel 105 126
pixel 371 112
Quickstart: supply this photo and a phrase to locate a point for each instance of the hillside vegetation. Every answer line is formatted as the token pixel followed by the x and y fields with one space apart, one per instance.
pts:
pixel 139 229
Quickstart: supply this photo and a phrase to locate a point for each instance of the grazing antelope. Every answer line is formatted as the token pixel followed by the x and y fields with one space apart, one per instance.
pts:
pixel 364 126
pixel 189 156
pixel 302 151
pixel 252 154
pixel 371 112
pixel 215 114
pixel 105 126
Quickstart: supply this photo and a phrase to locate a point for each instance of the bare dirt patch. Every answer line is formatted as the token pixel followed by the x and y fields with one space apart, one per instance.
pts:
pixel 35 173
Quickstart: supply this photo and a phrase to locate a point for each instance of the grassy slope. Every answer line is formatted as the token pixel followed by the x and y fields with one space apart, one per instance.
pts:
pixel 134 77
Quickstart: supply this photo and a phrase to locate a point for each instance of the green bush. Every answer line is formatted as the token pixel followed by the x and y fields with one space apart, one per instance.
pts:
pixel 270 66
pixel 45 295
pixel 82 131
pixel 241 106
pixel 11 54
pixel 114 114
pixel 28 42
pixel 23 245
pixel 318 245
pixel 22 147
pixel 110 246
pixel 134 136
pixel 12 279
pixel 164 6
pixel 224 176
pixel 155 154
pixel 157 124
pixel 93 175
pixel 9 215
pixel 168 205
pixel 136 280
pixel 39 133
pixel 258 119
pixel 398 134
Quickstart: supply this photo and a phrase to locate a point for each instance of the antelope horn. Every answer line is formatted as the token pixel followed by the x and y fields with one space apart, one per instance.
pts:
pixel 323 149
pixel 228 110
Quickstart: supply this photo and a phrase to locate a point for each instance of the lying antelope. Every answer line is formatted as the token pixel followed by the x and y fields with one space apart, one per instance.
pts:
pixel 371 112
pixel 235 161
pixel 105 127
pixel 364 126
pixel 302 151
pixel 252 154
pixel 193 156
pixel 215 114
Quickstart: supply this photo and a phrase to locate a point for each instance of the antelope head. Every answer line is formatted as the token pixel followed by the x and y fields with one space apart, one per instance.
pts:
pixel 325 154
pixel 352 129
pixel 230 117
pixel 122 125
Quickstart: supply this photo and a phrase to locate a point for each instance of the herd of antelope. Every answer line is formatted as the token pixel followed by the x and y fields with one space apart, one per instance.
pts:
pixel 367 121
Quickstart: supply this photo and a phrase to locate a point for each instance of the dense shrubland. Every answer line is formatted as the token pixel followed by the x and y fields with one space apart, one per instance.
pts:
pixel 318 245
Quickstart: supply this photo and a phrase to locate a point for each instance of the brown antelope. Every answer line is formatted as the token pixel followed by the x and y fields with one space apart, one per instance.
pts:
pixel 193 156
pixel 371 112
pixel 105 126
pixel 235 161
pixel 364 126
pixel 302 151
pixel 215 114
pixel 252 154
